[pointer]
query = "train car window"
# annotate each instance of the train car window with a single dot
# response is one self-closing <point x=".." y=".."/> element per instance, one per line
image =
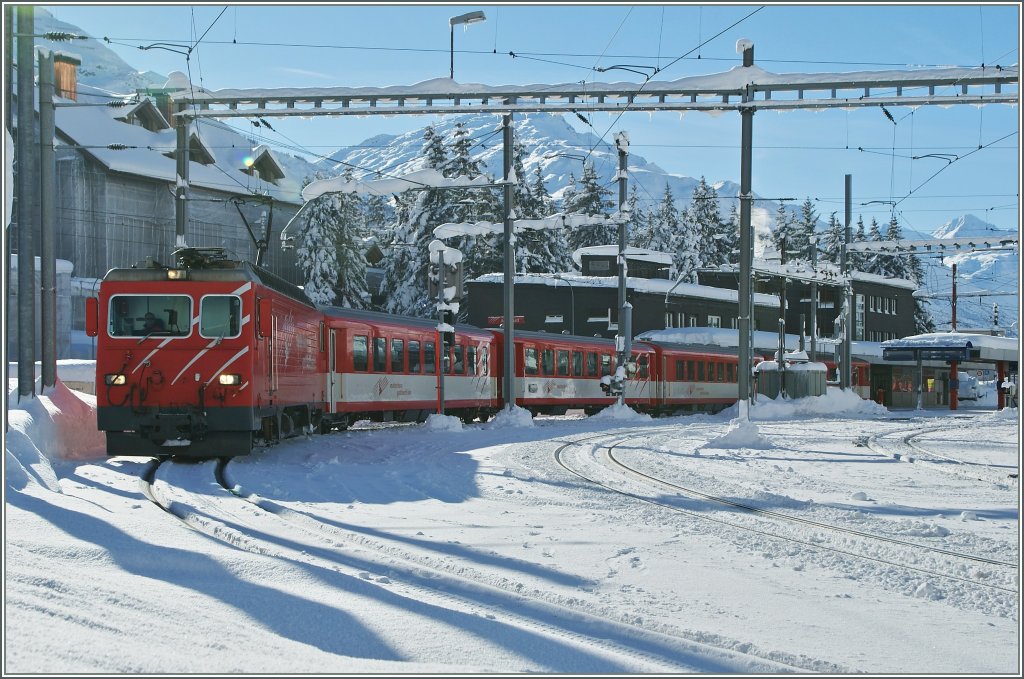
<point x="219" y="316"/>
<point x="680" y="375"/>
<point x="360" y="353"/>
<point x="547" y="361"/>
<point x="642" y="367"/>
<point x="606" y="364"/>
<point x="414" y="356"/>
<point x="700" y="371"/>
<point x="484" y="365"/>
<point x="530" y="361"/>
<point x="471" y="360"/>
<point x="730" y="372"/>
<point x="429" y="358"/>
<point x="144" y="315"/>
<point x="721" y="372"/>
<point x="690" y="375"/>
<point x="577" y="363"/>
<point x="591" y="364"/>
<point x="380" y="354"/>
<point x="397" y="355"/>
<point x="563" y="361"/>
<point x="459" y="367"/>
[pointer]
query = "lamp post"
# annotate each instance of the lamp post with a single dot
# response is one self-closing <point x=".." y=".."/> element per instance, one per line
<point x="464" y="19"/>
<point x="572" y="302"/>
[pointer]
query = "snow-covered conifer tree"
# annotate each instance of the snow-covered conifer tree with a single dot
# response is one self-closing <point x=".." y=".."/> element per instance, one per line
<point x="350" y="284"/>
<point x="707" y="219"/>
<point x="406" y="261"/>
<point x="832" y="241"/>
<point x="315" y="253"/>
<point x="686" y="248"/>
<point x="590" y="198"/>
<point x="663" y="224"/>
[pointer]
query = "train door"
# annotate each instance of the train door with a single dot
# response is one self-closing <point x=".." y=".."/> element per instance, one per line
<point x="333" y="379"/>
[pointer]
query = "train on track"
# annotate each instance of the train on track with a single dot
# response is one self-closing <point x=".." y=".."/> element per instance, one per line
<point x="211" y="357"/>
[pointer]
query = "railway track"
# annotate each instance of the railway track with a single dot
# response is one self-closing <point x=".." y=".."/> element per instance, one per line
<point x="882" y="553"/>
<point x="243" y="520"/>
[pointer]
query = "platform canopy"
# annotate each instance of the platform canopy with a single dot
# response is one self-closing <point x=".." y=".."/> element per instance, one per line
<point x="952" y="346"/>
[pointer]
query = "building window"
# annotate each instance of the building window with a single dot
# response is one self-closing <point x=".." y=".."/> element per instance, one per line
<point x="668" y="319"/>
<point x="692" y="322"/>
<point x="714" y="321"/>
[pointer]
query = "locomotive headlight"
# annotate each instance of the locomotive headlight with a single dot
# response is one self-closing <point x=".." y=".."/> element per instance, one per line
<point x="230" y="379"/>
<point x="177" y="274"/>
<point x="114" y="378"/>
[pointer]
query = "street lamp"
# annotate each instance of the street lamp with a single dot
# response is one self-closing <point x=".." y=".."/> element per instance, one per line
<point x="572" y="302"/>
<point x="465" y="19"/>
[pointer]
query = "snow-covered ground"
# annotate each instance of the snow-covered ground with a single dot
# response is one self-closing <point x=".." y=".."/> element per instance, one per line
<point x="822" y="535"/>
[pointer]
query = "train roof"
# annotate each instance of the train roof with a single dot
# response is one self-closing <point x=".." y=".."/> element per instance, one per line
<point x="381" y="318"/>
<point x="710" y="349"/>
<point x="208" y="264"/>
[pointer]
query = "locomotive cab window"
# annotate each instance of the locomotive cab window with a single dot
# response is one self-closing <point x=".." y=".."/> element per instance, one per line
<point x="219" y="316"/>
<point x="144" y="315"/>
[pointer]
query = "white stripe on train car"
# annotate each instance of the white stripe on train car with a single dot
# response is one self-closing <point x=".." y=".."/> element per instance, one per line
<point x="214" y="342"/>
<point x="231" y="360"/>
<point x="150" y="354"/>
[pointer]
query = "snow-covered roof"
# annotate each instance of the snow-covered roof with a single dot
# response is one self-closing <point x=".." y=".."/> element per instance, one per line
<point x="649" y="285"/>
<point x="989" y="347"/>
<point x="95" y="127"/>
<point x="613" y="250"/>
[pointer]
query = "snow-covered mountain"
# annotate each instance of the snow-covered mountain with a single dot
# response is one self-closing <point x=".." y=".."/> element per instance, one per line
<point x="983" y="279"/>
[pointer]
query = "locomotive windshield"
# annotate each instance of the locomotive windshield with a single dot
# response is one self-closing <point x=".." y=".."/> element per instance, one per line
<point x="143" y="315"/>
<point x="218" y="316"/>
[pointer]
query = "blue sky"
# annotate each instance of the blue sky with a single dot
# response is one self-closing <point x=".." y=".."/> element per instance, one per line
<point x="797" y="154"/>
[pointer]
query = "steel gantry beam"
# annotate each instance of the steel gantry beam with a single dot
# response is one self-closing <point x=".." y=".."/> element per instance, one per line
<point x="726" y="91"/>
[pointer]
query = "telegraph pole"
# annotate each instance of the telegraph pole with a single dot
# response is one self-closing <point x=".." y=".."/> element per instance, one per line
<point x="26" y="214"/>
<point x="47" y="241"/>
<point x="510" y="272"/>
<point x="746" y="237"/>
<point x="625" y="325"/>
<point x="844" y="373"/>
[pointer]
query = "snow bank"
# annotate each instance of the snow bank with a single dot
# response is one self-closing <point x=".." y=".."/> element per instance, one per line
<point x="740" y="434"/>
<point x="514" y="417"/>
<point x="443" y="423"/>
<point x="837" y="402"/>
<point x="620" y="411"/>
<point x="59" y="424"/>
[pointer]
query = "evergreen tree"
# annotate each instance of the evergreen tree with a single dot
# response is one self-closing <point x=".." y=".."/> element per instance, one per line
<point x="350" y="283"/>
<point x="783" y="235"/>
<point x="707" y="219"/>
<point x="729" y="241"/>
<point x="663" y="224"/>
<point x="638" y="225"/>
<point x="686" y="248"/>
<point x="417" y="213"/>
<point x="315" y="254"/>
<point x="803" y="232"/>
<point x="590" y="198"/>
<point x="873" y="263"/>
<point x="481" y="254"/>
<point x="377" y="213"/>
<point x="538" y="250"/>
<point x="858" y="261"/>
<point x="832" y="242"/>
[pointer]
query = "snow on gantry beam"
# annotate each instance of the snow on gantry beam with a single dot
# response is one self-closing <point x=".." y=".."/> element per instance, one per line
<point x="715" y="92"/>
<point x="936" y="245"/>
